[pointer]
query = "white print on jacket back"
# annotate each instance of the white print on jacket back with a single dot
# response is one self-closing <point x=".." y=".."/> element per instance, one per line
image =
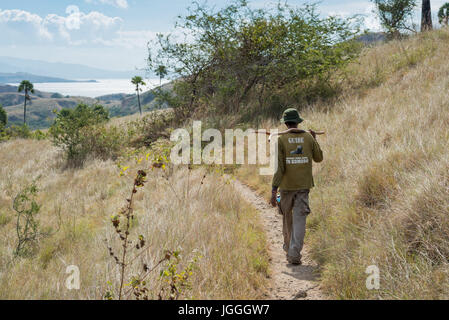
<point x="297" y="160"/>
<point x="296" y="140"/>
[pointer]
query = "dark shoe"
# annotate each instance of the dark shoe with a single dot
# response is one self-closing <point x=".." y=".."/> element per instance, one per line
<point x="295" y="261"/>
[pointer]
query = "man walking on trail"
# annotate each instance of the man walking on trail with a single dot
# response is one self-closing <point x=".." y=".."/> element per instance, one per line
<point x="293" y="177"/>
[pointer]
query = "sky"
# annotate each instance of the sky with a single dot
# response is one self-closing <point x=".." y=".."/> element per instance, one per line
<point x="113" y="34"/>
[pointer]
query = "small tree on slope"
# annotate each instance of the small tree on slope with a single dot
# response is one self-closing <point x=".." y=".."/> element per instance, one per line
<point x="138" y="82"/>
<point x="28" y="88"/>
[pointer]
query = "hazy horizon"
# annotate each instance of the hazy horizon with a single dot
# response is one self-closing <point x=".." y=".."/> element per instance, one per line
<point x="94" y="89"/>
<point x="67" y="63"/>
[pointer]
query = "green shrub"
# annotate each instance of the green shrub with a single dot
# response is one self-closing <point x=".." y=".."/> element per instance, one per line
<point x="3" y="118"/>
<point x="29" y="230"/>
<point x="238" y="55"/>
<point x="39" y="135"/>
<point x="146" y="130"/>
<point x="81" y="132"/>
<point x="3" y="136"/>
<point x="22" y="132"/>
<point x="394" y="15"/>
<point x="101" y="142"/>
<point x="27" y="226"/>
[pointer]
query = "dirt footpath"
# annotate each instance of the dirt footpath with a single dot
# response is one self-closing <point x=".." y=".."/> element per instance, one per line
<point x="289" y="282"/>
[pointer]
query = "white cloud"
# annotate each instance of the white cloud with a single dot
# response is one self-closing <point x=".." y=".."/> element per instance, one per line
<point x="75" y="28"/>
<point x="350" y="8"/>
<point x="28" y="22"/>
<point x="131" y="39"/>
<point x="116" y="3"/>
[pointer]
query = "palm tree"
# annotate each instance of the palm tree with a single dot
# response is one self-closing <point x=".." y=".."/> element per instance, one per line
<point x="426" y="16"/>
<point x="28" y="87"/>
<point x="138" y="81"/>
<point x="161" y="71"/>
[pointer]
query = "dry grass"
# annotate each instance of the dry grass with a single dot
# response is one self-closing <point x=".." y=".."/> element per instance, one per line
<point x="208" y="218"/>
<point x="382" y="195"/>
<point x="381" y="198"/>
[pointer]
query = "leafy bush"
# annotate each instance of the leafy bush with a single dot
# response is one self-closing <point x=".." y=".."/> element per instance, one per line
<point x="81" y="132"/>
<point x="393" y="15"/>
<point x="27" y="226"/>
<point x="39" y="135"/>
<point x="28" y="229"/>
<point x="3" y="118"/>
<point x="13" y="131"/>
<point x="22" y="132"/>
<point x="143" y="132"/>
<point x="3" y="122"/>
<point x="101" y="142"/>
<point x="239" y="55"/>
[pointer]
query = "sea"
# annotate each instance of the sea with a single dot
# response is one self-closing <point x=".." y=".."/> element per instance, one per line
<point x="94" y="89"/>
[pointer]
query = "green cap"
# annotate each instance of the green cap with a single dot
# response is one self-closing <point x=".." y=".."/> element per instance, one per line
<point x="291" y="115"/>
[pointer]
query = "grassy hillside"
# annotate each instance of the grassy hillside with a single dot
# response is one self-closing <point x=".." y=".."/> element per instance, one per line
<point x="176" y="210"/>
<point x="40" y="112"/>
<point x="382" y="193"/>
<point x="381" y="196"/>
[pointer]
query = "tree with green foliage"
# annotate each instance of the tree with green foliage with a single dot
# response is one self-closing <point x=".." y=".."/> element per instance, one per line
<point x="66" y="131"/>
<point x="3" y="118"/>
<point x="138" y="82"/>
<point x="28" y="88"/>
<point x="161" y="72"/>
<point x="443" y="14"/>
<point x="394" y="15"/>
<point x="28" y="228"/>
<point x="239" y="55"/>
<point x="426" y="16"/>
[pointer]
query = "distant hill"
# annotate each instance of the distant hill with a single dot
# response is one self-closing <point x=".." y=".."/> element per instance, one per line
<point x="114" y="96"/>
<point x="12" y="90"/>
<point x="19" y="76"/>
<point x="372" y="38"/>
<point x="40" y="111"/>
<point x="7" y="88"/>
<point x="62" y="70"/>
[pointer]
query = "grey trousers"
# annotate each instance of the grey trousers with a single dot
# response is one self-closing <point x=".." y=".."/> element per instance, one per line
<point x="294" y="208"/>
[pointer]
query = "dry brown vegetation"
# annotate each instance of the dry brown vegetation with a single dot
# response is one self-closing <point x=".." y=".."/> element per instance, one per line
<point x="382" y="198"/>
<point x="382" y="195"/>
<point x="173" y="211"/>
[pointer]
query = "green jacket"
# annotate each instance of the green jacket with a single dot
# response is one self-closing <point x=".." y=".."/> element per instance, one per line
<point x="295" y="154"/>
